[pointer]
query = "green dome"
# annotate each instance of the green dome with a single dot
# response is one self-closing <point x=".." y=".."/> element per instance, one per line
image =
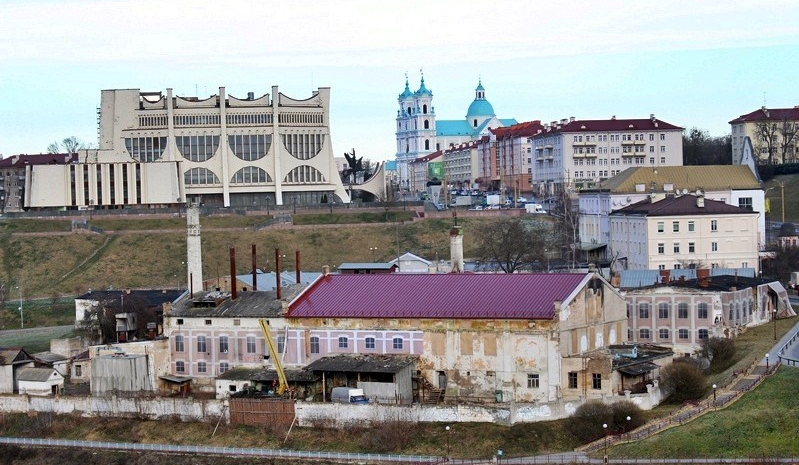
<point x="480" y="107"/>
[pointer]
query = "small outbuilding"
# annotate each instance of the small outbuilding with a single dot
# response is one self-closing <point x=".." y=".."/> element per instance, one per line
<point x="52" y="360"/>
<point x="39" y="381"/>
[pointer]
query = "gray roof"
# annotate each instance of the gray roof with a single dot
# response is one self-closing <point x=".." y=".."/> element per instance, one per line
<point x="49" y="357"/>
<point x="263" y="374"/>
<point x="363" y="363"/>
<point x="35" y="374"/>
<point x="367" y="266"/>
<point x="14" y="356"/>
<point x="267" y="282"/>
<point x="631" y="279"/>
<point x="254" y="304"/>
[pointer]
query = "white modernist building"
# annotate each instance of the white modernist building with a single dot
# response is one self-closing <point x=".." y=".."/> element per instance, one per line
<point x="157" y="148"/>
<point x="573" y="154"/>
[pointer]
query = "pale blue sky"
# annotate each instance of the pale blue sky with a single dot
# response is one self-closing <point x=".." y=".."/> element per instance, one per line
<point x="691" y="64"/>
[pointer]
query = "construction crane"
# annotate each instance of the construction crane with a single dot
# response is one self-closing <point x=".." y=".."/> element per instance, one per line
<point x="283" y="384"/>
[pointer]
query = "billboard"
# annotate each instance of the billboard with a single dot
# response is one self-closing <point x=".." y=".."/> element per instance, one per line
<point x="435" y="170"/>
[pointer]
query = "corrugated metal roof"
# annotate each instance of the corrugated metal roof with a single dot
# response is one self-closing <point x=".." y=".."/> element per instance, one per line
<point x="363" y="363"/>
<point x="682" y="205"/>
<point x="35" y="374"/>
<point x="631" y="279"/>
<point x="262" y="374"/>
<point x="692" y="178"/>
<point x="248" y="304"/>
<point x="465" y="296"/>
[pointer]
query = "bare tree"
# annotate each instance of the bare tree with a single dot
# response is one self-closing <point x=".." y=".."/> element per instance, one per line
<point x="788" y="134"/>
<point x="514" y="242"/>
<point x="568" y="224"/>
<point x="68" y="145"/>
<point x="766" y="134"/>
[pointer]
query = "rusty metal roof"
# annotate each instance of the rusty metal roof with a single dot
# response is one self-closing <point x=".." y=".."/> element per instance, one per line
<point x="263" y="374"/>
<point x="437" y="296"/>
<point x="377" y="363"/>
<point x="248" y="304"/>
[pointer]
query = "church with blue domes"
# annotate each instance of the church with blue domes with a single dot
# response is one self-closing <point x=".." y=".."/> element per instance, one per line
<point x="419" y="133"/>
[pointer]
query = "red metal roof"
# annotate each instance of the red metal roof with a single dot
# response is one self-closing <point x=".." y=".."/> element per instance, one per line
<point x="437" y="296"/>
<point x="39" y="159"/>
<point x="642" y="124"/>
<point x="771" y="114"/>
<point x="526" y="129"/>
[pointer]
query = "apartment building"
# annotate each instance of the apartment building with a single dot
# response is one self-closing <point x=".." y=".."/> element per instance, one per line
<point x="504" y="158"/>
<point x="774" y="133"/>
<point x="573" y="154"/>
<point x="683" y="231"/>
<point x="461" y="165"/>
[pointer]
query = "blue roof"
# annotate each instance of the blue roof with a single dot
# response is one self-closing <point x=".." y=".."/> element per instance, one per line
<point x="266" y="281"/>
<point x="456" y="127"/>
<point x="480" y="107"/>
<point x="423" y="90"/>
<point x="642" y="278"/>
<point x="407" y="92"/>
<point x="508" y="121"/>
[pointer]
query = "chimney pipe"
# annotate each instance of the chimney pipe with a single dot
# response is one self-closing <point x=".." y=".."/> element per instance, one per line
<point x="297" y="267"/>
<point x="456" y="248"/>
<point x="254" y="275"/>
<point x="277" y="273"/>
<point x="233" y="294"/>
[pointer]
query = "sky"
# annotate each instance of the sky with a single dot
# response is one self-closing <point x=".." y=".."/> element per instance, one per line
<point x="697" y="64"/>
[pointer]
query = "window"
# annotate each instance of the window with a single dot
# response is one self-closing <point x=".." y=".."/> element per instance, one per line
<point x="745" y="202"/>
<point x="314" y="344"/>
<point x="281" y="344"/>
<point x="643" y="333"/>
<point x="701" y="310"/>
<point x="682" y="334"/>
<point x="343" y="342"/>
<point x="200" y="176"/>
<point x="691" y="247"/>
<point x="572" y="380"/>
<point x="675" y="226"/>
<point x="663" y="333"/>
<point x="397" y="341"/>
<point x="714" y="225"/>
<point x="207" y="322"/>
<point x="223" y="344"/>
<point x="427" y="144"/>
<point x="676" y="247"/>
<point x="643" y="310"/>
<point x="145" y="149"/>
<point x="663" y="310"/>
<point x="662" y="137"/>
<point x="202" y="367"/>
<point x="179" y="343"/>
<point x="180" y="367"/>
<point x="714" y="246"/>
<point x="532" y="380"/>
<point x="250" y="344"/>
<point x="596" y="380"/>
<point x="197" y="148"/>
<point x="370" y="343"/>
<point x="661" y="226"/>
<point x="180" y="321"/>
<point x="78" y="370"/>
<point x="682" y="310"/>
<point x="690" y="226"/>
<point x="201" y="346"/>
<point x="702" y="334"/>
<point x="661" y="248"/>
<point x="662" y="149"/>
<point x="223" y="367"/>
<point x="426" y="124"/>
<point x="251" y="147"/>
<point x="236" y="322"/>
<point x="250" y="175"/>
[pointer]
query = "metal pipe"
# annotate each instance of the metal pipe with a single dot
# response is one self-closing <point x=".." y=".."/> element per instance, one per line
<point x="233" y="294"/>
<point x="254" y="276"/>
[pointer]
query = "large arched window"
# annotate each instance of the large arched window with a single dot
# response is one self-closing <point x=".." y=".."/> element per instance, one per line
<point x="200" y="176"/>
<point x="145" y="149"/>
<point x="250" y="147"/>
<point x="197" y="148"/>
<point x="427" y="144"/>
<point x="424" y="109"/>
<point x="426" y="124"/>
<point x="409" y="110"/>
<point x="250" y="175"/>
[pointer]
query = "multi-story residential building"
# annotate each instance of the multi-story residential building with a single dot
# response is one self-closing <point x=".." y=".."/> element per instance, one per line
<point x="682" y="313"/>
<point x="504" y="158"/>
<point x="223" y="150"/>
<point x="573" y="154"/>
<point x="461" y="165"/>
<point x="424" y="169"/>
<point x="734" y="185"/>
<point x="683" y="231"/>
<point x="419" y="133"/>
<point x="774" y="133"/>
<point x="14" y="171"/>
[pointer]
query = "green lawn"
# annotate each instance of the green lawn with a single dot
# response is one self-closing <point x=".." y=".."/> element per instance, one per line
<point x="37" y="340"/>
<point x="350" y="218"/>
<point x="762" y="423"/>
<point x="776" y="195"/>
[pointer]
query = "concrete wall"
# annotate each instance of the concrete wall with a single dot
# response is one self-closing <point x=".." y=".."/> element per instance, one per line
<point x="6" y="379"/>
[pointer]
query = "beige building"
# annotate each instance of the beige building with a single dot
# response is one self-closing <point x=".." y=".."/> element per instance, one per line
<point x="461" y="165"/>
<point x="683" y="231"/>
<point x="774" y="133"/>
<point x="574" y="154"/>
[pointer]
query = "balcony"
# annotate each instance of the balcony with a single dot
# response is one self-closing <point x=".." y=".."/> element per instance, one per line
<point x="630" y="142"/>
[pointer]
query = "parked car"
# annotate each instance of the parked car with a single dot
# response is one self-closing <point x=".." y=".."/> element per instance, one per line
<point x="476" y="208"/>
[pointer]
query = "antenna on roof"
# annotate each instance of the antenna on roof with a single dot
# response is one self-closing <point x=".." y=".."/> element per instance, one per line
<point x="764" y="99"/>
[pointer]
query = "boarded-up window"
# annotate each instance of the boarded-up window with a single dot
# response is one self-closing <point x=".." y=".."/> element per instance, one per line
<point x="489" y="344"/>
<point x="467" y="343"/>
<point x="437" y="344"/>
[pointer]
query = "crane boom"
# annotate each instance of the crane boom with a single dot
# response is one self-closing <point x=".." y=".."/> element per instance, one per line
<point x="283" y="384"/>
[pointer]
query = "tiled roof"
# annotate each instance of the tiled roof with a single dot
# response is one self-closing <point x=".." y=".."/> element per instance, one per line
<point x="39" y="159"/>
<point x="681" y="205"/>
<point x="594" y="125"/>
<point x="436" y="296"/>
<point x="692" y="178"/>
<point x="526" y="129"/>
<point x="769" y="114"/>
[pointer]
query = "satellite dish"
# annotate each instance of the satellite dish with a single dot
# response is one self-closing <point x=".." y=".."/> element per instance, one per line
<point x="684" y="191"/>
<point x="698" y="192"/>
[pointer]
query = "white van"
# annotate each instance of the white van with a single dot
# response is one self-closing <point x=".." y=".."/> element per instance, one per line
<point x="535" y="208"/>
<point x="347" y="395"/>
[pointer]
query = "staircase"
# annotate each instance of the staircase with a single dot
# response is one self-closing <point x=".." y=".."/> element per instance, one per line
<point x="429" y="394"/>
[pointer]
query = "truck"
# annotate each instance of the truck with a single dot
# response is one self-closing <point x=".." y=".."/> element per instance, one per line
<point x="535" y="208"/>
<point x="346" y="395"/>
<point x="493" y="199"/>
<point x="462" y="201"/>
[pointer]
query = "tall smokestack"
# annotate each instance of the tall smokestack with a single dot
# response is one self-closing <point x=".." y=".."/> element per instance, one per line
<point x="297" y="266"/>
<point x="277" y="273"/>
<point x="254" y="274"/>
<point x="194" y="256"/>
<point x="456" y="248"/>
<point x="233" y="294"/>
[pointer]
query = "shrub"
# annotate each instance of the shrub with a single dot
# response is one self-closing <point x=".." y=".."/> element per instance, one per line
<point x="622" y="410"/>
<point x="683" y="380"/>
<point x="720" y="351"/>
<point x="586" y="423"/>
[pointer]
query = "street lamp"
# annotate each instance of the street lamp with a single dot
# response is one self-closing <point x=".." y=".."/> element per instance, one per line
<point x="448" y="429"/>
<point x="714" y="395"/>
<point x="605" y="428"/>
<point x="774" y="317"/>
<point x="766" y="362"/>
<point x="21" y="316"/>
<point x="373" y="249"/>
<point x="546" y="252"/>
<point x="627" y="427"/>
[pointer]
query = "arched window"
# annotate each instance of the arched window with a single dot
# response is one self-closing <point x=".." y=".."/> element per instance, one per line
<point x="426" y="124"/>
<point x="409" y="110"/>
<point x="474" y="122"/>
<point x="427" y="144"/>
<point x="424" y="109"/>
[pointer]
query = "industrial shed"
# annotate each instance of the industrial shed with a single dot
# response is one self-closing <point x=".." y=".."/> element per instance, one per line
<point x="386" y="379"/>
<point x="120" y="373"/>
<point x="39" y="381"/>
<point x="302" y="383"/>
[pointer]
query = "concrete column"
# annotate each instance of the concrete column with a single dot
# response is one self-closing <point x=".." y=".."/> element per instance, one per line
<point x="223" y="147"/>
<point x="456" y="248"/>
<point x="277" y="143"/>
<point x="194" y="257"/>
<point x="171" y="148"/>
